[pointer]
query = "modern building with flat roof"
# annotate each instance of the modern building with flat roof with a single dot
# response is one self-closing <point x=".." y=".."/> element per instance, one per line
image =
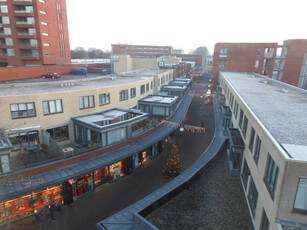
<point x="72" y="136"/>
<point x="33" y="32"/>
<point x="286" y="62"/>
<point x="267" y="126"/>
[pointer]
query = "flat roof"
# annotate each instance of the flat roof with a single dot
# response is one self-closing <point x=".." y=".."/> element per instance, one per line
<point x="109" y="115"/>
<point x="145" y="72"/>
<point x="280" y="107"/>
<point x="160" y="99"/>
<point x="41" y="86"/>
<point x="173" y="87"/>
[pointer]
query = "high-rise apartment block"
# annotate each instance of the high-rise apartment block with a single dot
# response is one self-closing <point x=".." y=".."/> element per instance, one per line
<point x="33" y="32"/>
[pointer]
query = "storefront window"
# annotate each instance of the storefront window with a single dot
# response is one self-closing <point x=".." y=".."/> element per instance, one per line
<point x="117" y="170"/>
<point x="101" y="176"/>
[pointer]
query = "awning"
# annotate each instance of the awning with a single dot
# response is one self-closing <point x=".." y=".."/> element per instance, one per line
<point x="22" y="130"/>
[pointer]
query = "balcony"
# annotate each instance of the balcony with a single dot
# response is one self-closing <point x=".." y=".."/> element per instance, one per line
<point x="268" y="55"/>
<point x="26" y="35"/>
<point x="22" y="2"/>
<point x="235" y="151"/>
<point x="226" y="117"/>
<point x="24" y="13"/>
<point x="29" y="56"/>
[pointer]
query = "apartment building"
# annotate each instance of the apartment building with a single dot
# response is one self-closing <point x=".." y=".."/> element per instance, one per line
<point x="33" y="32"/>
<point x="267" y="126"/>
<point x="68" y="124"/>
<point x="145" y="51"/>
<point x="286" y="62"/>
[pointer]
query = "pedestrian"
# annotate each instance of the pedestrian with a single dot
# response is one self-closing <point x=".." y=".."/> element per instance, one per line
<point x="52" y="210"/>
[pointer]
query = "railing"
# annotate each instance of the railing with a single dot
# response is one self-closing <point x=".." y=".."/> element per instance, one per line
<point x="25" y="23"/>
<point x="26" y="34"/>
<point x="29" y="55"/>
<point x="29" y="44"/>
<point x="24" y="11"/>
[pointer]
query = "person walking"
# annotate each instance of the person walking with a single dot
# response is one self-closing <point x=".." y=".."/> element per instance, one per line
<point x="52" y="210"/>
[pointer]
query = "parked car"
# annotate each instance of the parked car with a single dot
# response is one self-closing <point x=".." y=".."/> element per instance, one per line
<point x="51" y="75"/>
<point x="79" y="71"/>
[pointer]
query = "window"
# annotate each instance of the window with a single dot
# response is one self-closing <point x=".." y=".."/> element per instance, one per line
<point x="59" y="16"/>
<point x="61" y="36"/>
<point x="46" y="44"/>
<point x="245" y="123"/>
<point x="236" y="109"/>
<point x="271" y="175"/>
<point x="222" y="63"/>
<point x="59" y="133"/>
<point x="245" y="174"/>
<point x="241" y="118"/>
<point x="3" y="9"/>
<point x="60" y="26"/>
<point x="44" y="23"/>
<point x="8" y="41"/>
<point x="223" y="52"/>
<point x="257" y="149"/>
<point x="54" y="106"/>
<point x="151" y="85"/>
<point x="86" y="102"/>
<point x="147" y="87"/>
<point x="251" y="140"/>
<point x="116" y="135"/>
<point x="258" y="51"/>
<point x="5" y="20"/>
<point x="301" y="197"/>
<point x="132" y="92"/>
<point x="142" y="89"/>
<point x="7" y="31"/>
<point x="45" y="34"/>
<point x="265" y="224"/>
<point x="257" y="64"/>
<point x="23" y="110"/>
<point x="58" y="6"/>
<point x="104" y="98"/>
<point x="123" y="95"/>
<point x="253" y="196"/>
<point x="42" y="12"/>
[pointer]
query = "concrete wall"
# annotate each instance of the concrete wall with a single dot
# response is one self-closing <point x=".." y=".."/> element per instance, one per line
<point x="17" y="73"/>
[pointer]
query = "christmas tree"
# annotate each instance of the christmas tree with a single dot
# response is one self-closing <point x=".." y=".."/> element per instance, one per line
<point x="173" y="166"/>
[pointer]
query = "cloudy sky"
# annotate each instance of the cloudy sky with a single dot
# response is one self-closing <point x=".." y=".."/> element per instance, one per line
<point x="183" y="24"/>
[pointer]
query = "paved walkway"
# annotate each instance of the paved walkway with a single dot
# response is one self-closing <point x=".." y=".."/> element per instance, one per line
<point x="111" y="198"/>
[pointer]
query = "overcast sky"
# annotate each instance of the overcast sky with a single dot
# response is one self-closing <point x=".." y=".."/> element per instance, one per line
<point x="183" y="24"/>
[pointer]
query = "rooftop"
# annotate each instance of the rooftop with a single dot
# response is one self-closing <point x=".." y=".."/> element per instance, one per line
<point x="159" y="99"/>
<point x="144" y="72"/>
<point x="110" y="117"/>
<point x="173" y="87"/>
<point x="280" y="107"/>
<point x="65" y="83"/>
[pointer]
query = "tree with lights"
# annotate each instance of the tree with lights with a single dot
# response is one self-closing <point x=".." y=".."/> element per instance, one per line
<point x="173" y="166"/>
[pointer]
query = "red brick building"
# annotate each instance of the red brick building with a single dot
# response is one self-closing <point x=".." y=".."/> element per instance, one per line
<point x="287" y="62"/>
<point x="33" y="32"/>
<point x="143" y="51"/>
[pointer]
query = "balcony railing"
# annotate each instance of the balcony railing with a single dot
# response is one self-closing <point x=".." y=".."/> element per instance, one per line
<point x="268" y="55"/>
<point x="29" y="55"/>
<point x="27" y="34"/>
<point x="25" y="23"/>
<point x="28" y="44"/>
<point x="24" y="11"/>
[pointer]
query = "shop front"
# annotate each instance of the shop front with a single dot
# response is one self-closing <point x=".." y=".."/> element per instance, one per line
<point x="29" y="204"/>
